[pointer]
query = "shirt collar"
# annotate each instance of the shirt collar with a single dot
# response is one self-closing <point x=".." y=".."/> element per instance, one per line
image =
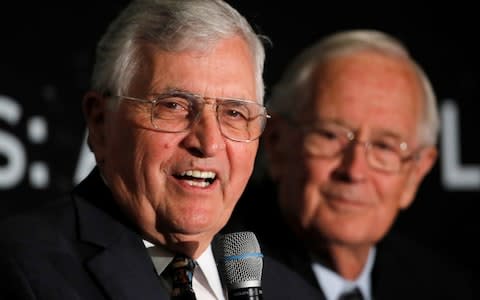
<point x="333" y="284"/>
<point x="207" y="264"/>
<point x="161" y="257"/>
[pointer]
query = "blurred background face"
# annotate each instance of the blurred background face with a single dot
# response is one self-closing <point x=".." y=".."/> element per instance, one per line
<point x="187" y="183"/>
<point x="343" y="199"/>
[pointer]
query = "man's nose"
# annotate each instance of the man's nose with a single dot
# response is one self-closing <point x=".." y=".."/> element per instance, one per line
<point x="354" y="161"/>
<point x="205" y="137"/>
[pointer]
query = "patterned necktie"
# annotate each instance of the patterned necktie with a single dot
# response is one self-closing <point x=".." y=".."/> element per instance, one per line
<point x="180" y="271"/>
<point x="354" y="294"/>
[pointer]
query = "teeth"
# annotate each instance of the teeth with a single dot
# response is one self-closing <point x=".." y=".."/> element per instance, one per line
<point x="198" y="174"/>
<point x="198" y="183"/>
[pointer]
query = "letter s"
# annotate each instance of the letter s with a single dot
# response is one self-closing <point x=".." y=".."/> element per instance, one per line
<point x="11" y="147"/>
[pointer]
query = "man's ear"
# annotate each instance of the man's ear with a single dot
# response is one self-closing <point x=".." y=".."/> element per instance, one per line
<point x="274" y="140"/>
<point x="422" y="166"/>
<point x="94" y="107"/>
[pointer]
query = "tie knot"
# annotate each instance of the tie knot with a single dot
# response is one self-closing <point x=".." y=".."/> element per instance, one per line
<point x="354" y="294"/>
<point x="181" y="274"/>
<point x="182" y="262"/>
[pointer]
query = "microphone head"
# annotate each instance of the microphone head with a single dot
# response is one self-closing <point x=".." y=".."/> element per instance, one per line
<point x="239" y="259"/>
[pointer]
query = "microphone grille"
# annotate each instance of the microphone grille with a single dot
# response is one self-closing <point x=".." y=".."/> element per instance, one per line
<point x="239" y="259"/>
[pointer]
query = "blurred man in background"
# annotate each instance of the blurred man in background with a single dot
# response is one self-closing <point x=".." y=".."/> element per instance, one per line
<point x="353" y="133"/>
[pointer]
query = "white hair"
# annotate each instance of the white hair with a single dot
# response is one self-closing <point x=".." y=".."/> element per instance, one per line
<point x="170" y="25"/>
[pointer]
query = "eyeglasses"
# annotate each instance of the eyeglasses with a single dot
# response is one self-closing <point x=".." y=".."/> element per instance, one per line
<point x="176" y="111"/>
<point x="384" y="153"/>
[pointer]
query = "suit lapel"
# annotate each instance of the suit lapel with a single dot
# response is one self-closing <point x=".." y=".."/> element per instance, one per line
<point x="126" y="271"/>
<point x="122" y="265"/>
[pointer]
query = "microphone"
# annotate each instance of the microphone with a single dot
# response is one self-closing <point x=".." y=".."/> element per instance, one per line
<point x="240" y="264"/>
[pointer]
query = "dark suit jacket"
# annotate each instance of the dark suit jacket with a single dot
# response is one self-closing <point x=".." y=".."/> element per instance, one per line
<point x="82" y="247"/>
<point x="403" y="269"/>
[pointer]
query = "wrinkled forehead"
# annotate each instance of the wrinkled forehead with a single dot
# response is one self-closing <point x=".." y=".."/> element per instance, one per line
<point x="367" y="90"/>
<point x="226" y="69"/>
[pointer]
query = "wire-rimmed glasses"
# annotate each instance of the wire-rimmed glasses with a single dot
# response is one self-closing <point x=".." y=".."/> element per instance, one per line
<point x="385" y="153"/>
<point x="176" y="111"/>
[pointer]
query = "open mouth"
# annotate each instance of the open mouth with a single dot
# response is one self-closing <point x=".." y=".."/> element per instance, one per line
<point x="197" y="178"/>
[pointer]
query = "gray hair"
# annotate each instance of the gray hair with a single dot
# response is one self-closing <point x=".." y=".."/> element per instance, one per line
<point x="293" y="92"/>
<point x="170" y="25"/>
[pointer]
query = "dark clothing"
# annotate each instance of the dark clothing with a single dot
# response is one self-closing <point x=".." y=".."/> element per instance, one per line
<point x="83" y="247"/>
<point x="403" y="269"/>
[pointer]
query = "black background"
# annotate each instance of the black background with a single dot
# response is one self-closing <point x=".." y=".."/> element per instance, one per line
<point x="46" y="53"/>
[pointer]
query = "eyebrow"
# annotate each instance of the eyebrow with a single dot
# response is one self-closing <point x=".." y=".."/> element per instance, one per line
<point x="173" y="90"/>
<point x="382" y="132"/>
<point x="375" y="132"/>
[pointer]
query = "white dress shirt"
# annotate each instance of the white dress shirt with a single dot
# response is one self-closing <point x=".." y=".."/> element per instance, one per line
<point x="206" y="280"/>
